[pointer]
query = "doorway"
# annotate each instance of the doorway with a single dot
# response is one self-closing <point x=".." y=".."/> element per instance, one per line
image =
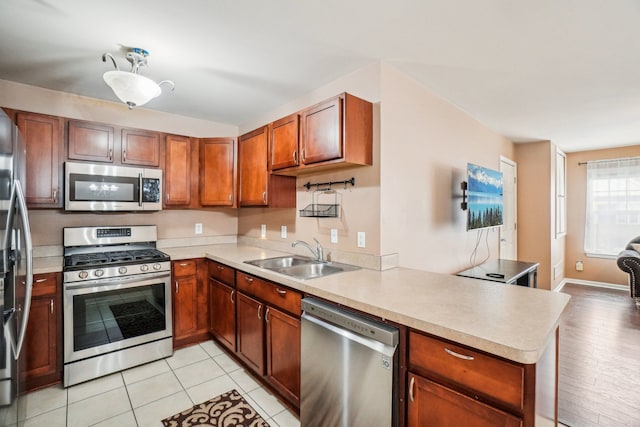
<point x="509" y="230"/>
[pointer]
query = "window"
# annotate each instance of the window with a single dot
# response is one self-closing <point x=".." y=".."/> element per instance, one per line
<point x="613" y="206"/>
<point x="561" y="190"/>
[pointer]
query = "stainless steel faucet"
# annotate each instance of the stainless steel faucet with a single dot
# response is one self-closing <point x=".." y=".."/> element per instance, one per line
<point x="318" y="253"/>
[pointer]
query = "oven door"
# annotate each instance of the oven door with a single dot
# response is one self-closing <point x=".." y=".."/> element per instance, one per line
<point x="113" y="314"/>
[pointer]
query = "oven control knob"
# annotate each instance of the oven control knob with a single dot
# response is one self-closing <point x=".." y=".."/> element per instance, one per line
<point x="99" y="273"/>
<point x="157" y="266"/>
<point x="83" y="274"/>
<point x="144" y="267"/>
<point x="122" y="270"/>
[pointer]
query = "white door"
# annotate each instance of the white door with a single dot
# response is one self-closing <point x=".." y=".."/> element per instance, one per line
<point x="509" y="231"/>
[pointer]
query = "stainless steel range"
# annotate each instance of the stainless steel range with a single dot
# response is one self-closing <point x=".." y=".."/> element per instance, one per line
<point x="117" y="300"/>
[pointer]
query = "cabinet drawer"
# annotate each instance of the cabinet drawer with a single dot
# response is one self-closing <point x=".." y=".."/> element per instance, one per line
<point x="44" y="284"/>
<point x="274" y="295"/>
<point x="221" y="273"/>
<point x="480" y="373"/>
<point x="183" y="268"/>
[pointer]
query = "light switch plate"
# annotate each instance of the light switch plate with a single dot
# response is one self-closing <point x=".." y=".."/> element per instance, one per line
<point x="283" y="231"/>
<point x="198" y="228"/>
<point x="361" y="239"/>
<point x="263" y="230"/>
<point x="334" y="235"/>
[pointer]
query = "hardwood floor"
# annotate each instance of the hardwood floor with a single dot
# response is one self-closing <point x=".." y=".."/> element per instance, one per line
<point x="599" y="362"/>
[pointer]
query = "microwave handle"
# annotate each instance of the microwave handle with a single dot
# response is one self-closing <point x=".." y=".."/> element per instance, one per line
<point x="140" y="189"/>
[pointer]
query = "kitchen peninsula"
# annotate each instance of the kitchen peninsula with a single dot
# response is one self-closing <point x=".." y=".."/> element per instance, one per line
<point x="510" y="330"/>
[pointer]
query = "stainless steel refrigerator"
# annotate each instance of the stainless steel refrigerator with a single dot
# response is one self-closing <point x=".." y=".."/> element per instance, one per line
<point x="16" y="263"/>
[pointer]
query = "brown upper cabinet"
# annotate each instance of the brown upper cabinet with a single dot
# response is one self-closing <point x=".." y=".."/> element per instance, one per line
<point x="140" y="147"/>
<point x="178" y="171"/>
<point x="285" y="134"/>
<point x="90" y="141"/>
<point x="257" y="187"/>
<point x="217" y="171"/>
<point x="44" y="140"/>
<point x="335" y="133"/>
<point x="96" y="142"/>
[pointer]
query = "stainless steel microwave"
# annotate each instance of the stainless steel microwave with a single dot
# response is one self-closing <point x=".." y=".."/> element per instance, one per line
<point x="107" y="188"/>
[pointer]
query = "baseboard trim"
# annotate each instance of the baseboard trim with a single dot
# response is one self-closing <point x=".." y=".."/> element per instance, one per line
<point x="590" y="283"/>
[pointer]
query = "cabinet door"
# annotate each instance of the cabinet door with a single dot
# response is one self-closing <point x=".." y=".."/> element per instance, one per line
<point x="252" y="158"/>
<point x="140" y="148"/>
<point x="217" y="171"/>
<point x="284" y="142"/>
<point x="283" y="353"/>
<point x="43" y="138"/>
<point x="90" y="141"/>
<point x="222" y="309"/>
<point x="431" y="404"/>
<point x="41" y="358"/>
<point x="250" y="332"/>
<point x="178" y="171"/>
<point x="322" y="132"/>
<point x="185" y="307"/>
<point x="41" y="338"/>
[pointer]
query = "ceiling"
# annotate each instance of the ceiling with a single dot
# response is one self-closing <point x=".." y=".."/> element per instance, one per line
<point x="560" y="70"/>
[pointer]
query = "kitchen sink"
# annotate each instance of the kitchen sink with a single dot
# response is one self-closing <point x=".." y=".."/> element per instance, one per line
<point x="301" y="267"/>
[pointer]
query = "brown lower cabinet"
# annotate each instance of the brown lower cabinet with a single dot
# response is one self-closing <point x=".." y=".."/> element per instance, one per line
<point x="431" y="404"/>
<point x="41" y="361"/>
<point x="250" y="330"/>
<point x="283" y="362"/>
<point x="190" y="302"/>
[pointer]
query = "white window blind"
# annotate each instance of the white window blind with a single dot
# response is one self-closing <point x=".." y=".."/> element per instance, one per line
<point x="613" y="206"/>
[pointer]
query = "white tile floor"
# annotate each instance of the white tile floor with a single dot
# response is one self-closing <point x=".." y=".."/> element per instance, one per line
<point x="144" y="395"/>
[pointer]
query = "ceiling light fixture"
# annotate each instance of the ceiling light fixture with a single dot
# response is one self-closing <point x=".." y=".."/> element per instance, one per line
<point x="130" y="87"/>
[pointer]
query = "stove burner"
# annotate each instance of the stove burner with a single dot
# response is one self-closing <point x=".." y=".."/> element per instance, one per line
<point x="113" y="258"/>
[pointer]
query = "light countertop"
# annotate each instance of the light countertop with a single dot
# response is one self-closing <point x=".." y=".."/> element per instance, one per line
<point x="513" y="322"/>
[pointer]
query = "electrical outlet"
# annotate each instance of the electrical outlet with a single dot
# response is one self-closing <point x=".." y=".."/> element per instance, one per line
<point x="361" y="239"/>
<point x="334" y="235"/>
<point x="263" y="231"/>
<point x="283" y="231"/>
<point x="198" y="228"/>
<point x="579" y="266"/>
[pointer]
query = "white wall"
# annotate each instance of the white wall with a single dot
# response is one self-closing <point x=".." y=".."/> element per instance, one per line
<point x="426" y="144"/>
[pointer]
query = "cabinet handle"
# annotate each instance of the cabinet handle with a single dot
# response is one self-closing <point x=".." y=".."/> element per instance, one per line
<point x="41" y="280"/>
<point x="167" y="197"/>
<point x="264" y="197"/>
<point x="266" y="315"/>
<point x="458" y="355"/>
<point x="295" y="157"/>
<point x="248" y="279"/>
<point x="183" y="264"/>
<point x="259" y="310"/>
<point x="230" y="197"/>
<point x="51" y="305"/>
<point x="303" y="155"/>
<point x="232" y="301"/>
<point x="110" y="153"/>
<point x="411" y="384"/>
<point x="55" y="195"/>
<point x="177" y="287"/>
<point x="124" y="156"/>
<point x="281" y="291"/>
<point x="220" y="268"/>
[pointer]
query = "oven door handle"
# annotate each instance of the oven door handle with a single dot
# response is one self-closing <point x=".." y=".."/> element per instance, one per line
<point x="115" y="282"/>
<point x="140" y="189"/>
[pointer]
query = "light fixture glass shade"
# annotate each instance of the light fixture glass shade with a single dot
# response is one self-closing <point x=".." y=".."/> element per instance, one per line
<point x="132" y="89"/>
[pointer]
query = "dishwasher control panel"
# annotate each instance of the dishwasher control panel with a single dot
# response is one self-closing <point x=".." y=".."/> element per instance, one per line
<point x="352" y="322"/>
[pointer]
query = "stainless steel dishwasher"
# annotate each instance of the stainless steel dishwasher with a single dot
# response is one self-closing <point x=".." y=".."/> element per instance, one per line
<point x="349" y="369"/>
